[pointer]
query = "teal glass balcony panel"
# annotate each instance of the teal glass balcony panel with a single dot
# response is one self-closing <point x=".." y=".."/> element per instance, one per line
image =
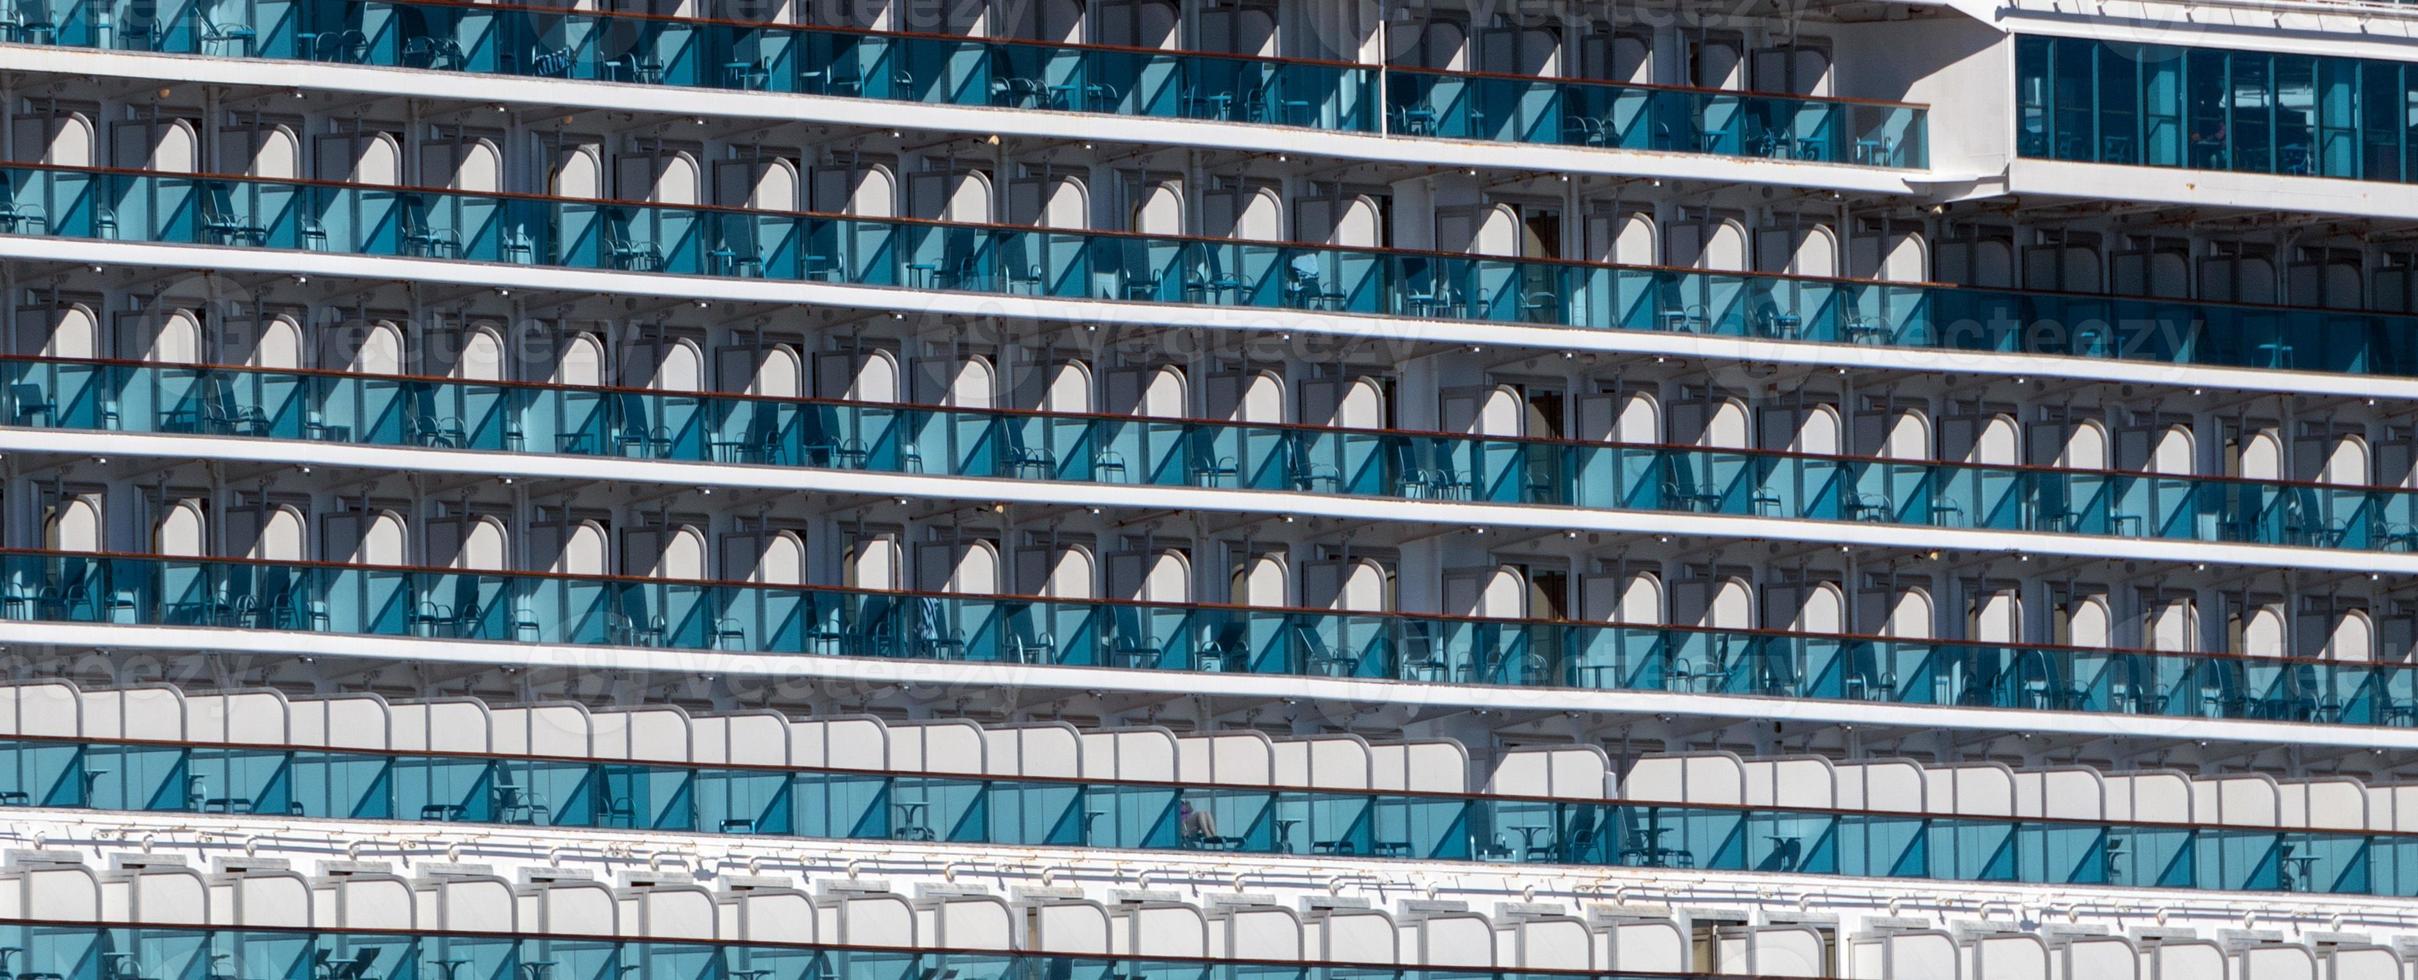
<point x="2158" y="105"/>
<point x="817" y="621"/>
<point x="586" y="234"/>
<point x="1530" y="109"/>
<point x="423" y="412"/>
<point x="553" y="42"/>
<point x="847" y="805"/>
<point x="560" y="42"/>
<point x="58" y="950"/>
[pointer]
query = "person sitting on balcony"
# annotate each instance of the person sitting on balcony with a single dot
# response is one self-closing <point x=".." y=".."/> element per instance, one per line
<point x="1198" y="826"/>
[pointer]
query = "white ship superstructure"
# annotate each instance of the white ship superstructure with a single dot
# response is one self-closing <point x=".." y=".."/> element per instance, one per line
<point x="1256" y="489"/>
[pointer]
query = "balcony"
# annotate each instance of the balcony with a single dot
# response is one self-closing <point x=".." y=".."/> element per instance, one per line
<point x="1196" y="637"/>
<point x="439" y="413"/>
<point x="68" y="951"/>
<point x="1527" y="109"/>
<point x="549" y="42"/>
<point x="1654" y="832"/>
<point x="353" y="219"/>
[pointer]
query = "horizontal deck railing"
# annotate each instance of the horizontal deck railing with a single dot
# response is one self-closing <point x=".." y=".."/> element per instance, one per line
<point x="604" y="610"/>
<point x="359" y="219"/>
<point x="559" y="42"/>
<point x="960" y="809"/>
<point x="445" y="413"/>
<point x="64" y="950"/>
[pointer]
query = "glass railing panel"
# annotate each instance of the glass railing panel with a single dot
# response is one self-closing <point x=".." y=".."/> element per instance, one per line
<point x="550" y="43"/>
<point x="430" y="788"/>
<point x="506" y="607"/>
<point x="923" y="807"/>
<point x="1149" y="817"/>
<point x="379" y="221"/>
<point x="843" y="805"/>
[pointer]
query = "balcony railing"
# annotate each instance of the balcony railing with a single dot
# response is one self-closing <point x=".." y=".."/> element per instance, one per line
<point x="558" y="42"/>
<point x="1064" y="812"/>
<point x="59" y="950"/>
<point x="444" y="413"/>
<point x="1529" y="109"/>
<point x="601" y="610"/>
<point x="141" y="206"/>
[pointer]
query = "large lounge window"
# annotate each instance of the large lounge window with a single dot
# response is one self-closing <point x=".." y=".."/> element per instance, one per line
<point x="2255" y="112"/>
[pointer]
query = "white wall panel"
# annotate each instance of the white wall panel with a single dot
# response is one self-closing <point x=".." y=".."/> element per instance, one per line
<point x="369" y="902"/>
<point x="267" y="899"/>
<point x="1070" y="927"/>
<point x="847" y="742"/>
<point x="775" y="915"/>
<point x="2155" y="796"/>
<point x="1806" y="782"/>
<point x="2100" y="958"/>
<point x="1260" y="934"/>
<point x="973" y="922"/>
<point x="169" y="896"/>
<point x="2078" y="794"/>
<point x="42" y="709"/>
<point x="1437" y="766"/>
<point x="652" y="734"/>
<point x="1134" y="753"/>
<point x="2393" y="807"/>
<point x="1244" y="758"/>
<point x="1051" y="750"/>
<point x="66" y="893"/>
<point x="668" y="912"/>
<point x="1161" y="930"/>
<point x="1550" y="944"/>
<point x="2327" y="804"/>
<point x="1902" y="956"/>
<point x="1978" y="790"/>
<point x="2010" y="958"/>
<point x="154" y="713"/>
<point x="1575" y="772"/>
<point x="875" y="920"/>
<point x="943" y="746"/>
<point x="2362" y="963"/>
<point x="2247" y="799"/>
<point x="352" y="721"/>
<point x="2277" y="963"/>
<point x="1881" y="784"/>
<point x="575" y="907"/>
<point x="1455" y="939"/>
<point x="1648" y="944"/>
<point x="747" y="740"/>
<point x="2182" y="961"/>
<point x="1782" y="951"/>
<point x="458" y="726"/>
<point x="1353" y="936"/>
<point x="254" y="717"/>
<point x="476" y="903"/>
<point x="1339" y="762"/>
<point x="1700" y="777"/>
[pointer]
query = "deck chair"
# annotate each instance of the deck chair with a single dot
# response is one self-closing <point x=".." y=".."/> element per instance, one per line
<point x="28" y="401"/>
<point x="223" y="415"/>
<point x="225" y="224"/>
<point x="1129" y="644"/>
